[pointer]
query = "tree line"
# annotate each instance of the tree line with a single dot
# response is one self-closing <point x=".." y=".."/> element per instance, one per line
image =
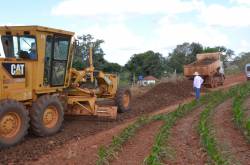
<point x="150" y="62"/>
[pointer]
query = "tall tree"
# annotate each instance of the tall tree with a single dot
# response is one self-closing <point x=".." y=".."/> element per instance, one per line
<point x="183" y="54"/>
<point x="242" y="60"/>
<point x="148" y="63"/>
<point x="82" y="53"/>
<point x="227" y="54"/>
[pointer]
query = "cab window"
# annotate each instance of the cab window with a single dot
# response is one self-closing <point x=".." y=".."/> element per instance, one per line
<point x="18" y="47"/>
<point x="248" y="68"/>
<point x="61" y="46"/>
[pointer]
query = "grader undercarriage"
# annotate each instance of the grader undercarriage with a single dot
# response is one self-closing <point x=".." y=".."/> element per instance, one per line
<point x="38" y="84"/>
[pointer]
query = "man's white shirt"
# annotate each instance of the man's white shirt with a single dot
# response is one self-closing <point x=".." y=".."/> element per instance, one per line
<point x="198" y="81"/>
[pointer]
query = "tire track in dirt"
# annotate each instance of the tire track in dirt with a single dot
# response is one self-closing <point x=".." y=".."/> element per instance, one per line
<point x="80" y="151"/>
<point x="137" y="148"/>
<point x="184" y="141"/>
<point x="230" y="140"/>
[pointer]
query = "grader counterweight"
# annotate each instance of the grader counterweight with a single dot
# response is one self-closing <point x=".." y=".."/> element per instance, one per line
<point x="38" y="84"/>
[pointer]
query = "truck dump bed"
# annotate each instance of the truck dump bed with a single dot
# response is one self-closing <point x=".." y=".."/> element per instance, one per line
<point x="206" y="65"/>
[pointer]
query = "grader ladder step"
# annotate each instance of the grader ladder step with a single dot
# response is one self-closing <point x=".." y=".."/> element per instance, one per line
<point x="106" y="111"/>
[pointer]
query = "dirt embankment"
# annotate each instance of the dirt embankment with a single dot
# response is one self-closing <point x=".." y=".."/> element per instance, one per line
<point x="231" y="141"/>
<point x="160" y="96"/>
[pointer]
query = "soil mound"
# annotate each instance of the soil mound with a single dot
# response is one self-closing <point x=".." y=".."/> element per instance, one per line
<point x="162" y="95"/>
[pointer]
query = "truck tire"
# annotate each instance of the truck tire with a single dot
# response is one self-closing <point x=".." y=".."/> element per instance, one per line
<point x="14" y="122"/>
<point x="46" y="115"/>
<point x="123" y="100"/>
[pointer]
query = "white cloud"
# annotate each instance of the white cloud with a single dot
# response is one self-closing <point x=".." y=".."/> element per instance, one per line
<point x="116" y="7"/>
<point x="10" y="24"/>
<point x="170" y="34"/>
<point x="120" y="42"/>
<point x="242" y="2"/>
<point x="218" y="15"/>
<point x="244" y="46"/>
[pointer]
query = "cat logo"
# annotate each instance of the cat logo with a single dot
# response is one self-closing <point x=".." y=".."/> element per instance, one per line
<point x="16" y="70"/>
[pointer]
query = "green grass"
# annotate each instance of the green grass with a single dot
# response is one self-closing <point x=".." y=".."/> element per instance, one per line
<point x="238" y="110"/>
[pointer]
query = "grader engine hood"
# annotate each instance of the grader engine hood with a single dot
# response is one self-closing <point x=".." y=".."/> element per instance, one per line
<point x="15" y="70"/>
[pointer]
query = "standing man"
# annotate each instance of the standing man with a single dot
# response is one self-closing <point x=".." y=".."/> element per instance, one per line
<point x="197" y="85"/>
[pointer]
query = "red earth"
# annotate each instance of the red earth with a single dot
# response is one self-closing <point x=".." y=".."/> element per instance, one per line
<point x="79" y="133"/>
<point x="184" y="142"/>
<point x="137" y="148"/>
<point x="230" y="139"/>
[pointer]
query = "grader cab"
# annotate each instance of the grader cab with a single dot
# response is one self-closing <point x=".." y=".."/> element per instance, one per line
<point x="38" y="84"/>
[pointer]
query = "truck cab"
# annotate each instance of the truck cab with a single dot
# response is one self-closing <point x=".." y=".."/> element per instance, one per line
<point x="247" y="71"/>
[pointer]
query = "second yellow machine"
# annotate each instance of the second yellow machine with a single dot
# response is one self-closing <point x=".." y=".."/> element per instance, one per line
<point x="38" y="84"/>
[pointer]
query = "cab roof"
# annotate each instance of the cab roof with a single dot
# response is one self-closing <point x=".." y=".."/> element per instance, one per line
<point x="35" y="28"/>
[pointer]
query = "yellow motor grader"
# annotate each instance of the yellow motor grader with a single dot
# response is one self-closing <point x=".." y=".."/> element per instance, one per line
<point x="38" y="84"/>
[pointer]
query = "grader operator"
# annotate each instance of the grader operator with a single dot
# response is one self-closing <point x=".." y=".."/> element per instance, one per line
<point x="38" y="84"/>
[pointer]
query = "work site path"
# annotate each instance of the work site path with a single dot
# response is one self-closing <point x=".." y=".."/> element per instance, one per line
<point x="184" y="146"/>
<point x="137" y="148"/>
<point x="229" y="139"/>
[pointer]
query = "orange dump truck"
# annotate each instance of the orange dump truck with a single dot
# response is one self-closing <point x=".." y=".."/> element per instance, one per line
<point x="210" y="68"/>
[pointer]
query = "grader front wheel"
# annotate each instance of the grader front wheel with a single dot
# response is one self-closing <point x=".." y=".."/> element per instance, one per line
<point x="14" y="121"/>
<point x="123" y="100"/>
<point x="46" y="115"/>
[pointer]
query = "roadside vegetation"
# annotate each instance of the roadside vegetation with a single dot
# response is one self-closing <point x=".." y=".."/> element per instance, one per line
<point x="239" y="116"/>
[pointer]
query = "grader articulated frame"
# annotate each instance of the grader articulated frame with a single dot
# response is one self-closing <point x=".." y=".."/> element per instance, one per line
<point x="38" y="84"/>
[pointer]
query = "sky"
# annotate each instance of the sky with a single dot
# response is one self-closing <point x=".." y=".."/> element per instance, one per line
<point x="135" y="26"/>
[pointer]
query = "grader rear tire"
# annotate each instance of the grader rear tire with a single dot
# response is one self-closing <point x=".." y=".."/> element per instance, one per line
<point x="14" y="122"/>
<point x="46" y="115"/>
<point x="123" y="100"/>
